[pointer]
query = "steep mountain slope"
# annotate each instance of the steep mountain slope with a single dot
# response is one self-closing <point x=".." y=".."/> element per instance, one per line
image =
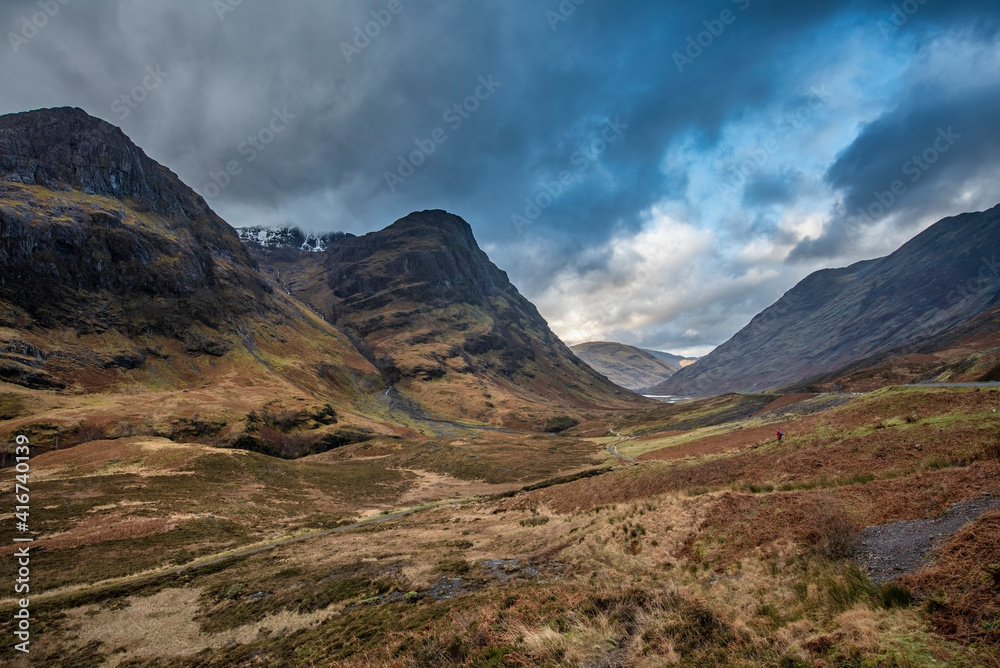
<point x="624" y="365"/>
<point x="944" y="276"/>
<point x="966" y="352"/>
<point x="445" y="325"/>
<point x="114" y="274"/>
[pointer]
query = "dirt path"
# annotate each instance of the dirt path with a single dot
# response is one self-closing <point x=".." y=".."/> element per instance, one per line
<point x="613" y="448"/>
<point x="890" y="550"/>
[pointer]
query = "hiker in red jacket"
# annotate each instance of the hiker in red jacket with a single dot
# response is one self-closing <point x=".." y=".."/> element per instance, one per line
<point x="780" y="434"/>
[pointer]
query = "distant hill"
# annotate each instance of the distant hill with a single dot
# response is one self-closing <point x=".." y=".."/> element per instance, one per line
<point x="627" y="366"/>
<point x="444" y="324"/>
<point x="671" y="359"/>
<point x="943" y="277"/>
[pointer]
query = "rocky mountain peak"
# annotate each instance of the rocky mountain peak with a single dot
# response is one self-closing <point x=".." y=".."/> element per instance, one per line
<point x="438" y="219"/>
<point x="86" y="214"/>
<point x="426" y="256"/>
<point x="67" y="149"/>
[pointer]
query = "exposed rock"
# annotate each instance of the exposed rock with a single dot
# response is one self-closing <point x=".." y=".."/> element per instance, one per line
<point x="12" y="372"/>
<point x="85" y="214"/>
<point x="288" y="238"/>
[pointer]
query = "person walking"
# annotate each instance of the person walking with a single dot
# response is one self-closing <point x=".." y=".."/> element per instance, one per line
<point x="780" y="434"/>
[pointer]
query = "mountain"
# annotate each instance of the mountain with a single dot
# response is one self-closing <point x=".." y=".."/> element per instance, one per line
<point x="94" y="232"/>
<point x="966" y="352"/>
<point x="115" y="277"/>
<point x="943" y="277"/>
<point x="673" y="360"/>
<point x="626" y="366"/>
<point x="444" y="324"/>
<point x="288" y="238"/>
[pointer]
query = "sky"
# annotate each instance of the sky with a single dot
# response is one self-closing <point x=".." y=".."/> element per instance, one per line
<point x="650" y="172"/>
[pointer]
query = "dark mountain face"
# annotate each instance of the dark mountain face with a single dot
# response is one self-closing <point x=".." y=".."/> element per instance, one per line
<point x="66" y="148"/>
<point x="85" y="214"/>
<point x="429" y="258"/>
<point x="112" y="270"/>
<point x="444" y="324"/>
<point x="944" y="276"/>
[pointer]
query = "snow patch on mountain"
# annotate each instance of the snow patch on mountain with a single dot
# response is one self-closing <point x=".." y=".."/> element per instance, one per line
<point x="289" y="238"/>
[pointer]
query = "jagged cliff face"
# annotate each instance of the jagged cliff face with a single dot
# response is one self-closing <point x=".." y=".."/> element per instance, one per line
<point x="445" y="325"/>
<point x="114" y="271"/>
<point x="943" y="277"/>
<point x="87" y="216"/>
<point x="430" y="258"/>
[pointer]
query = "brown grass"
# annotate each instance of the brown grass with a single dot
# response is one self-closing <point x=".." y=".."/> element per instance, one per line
<point x="962" y="587"/>
<point x="706" y="562"/>
<point x="784" y="401"/>
<point x="712" y="445"/>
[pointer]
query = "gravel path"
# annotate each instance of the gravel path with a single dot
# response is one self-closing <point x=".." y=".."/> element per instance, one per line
<point x="890" y="550"/>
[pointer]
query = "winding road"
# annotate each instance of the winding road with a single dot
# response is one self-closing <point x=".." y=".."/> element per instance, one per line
<point x="613" y="448"/>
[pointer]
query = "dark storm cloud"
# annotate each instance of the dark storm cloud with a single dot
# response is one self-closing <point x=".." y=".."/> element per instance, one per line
<point x="560" y="72"/>
<point x="918" y="156"/>
<point x="770" y="189"/>
<point x="353" y="119"/>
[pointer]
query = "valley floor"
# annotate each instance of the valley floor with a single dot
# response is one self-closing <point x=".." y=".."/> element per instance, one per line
<point x="720" y="546"/>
